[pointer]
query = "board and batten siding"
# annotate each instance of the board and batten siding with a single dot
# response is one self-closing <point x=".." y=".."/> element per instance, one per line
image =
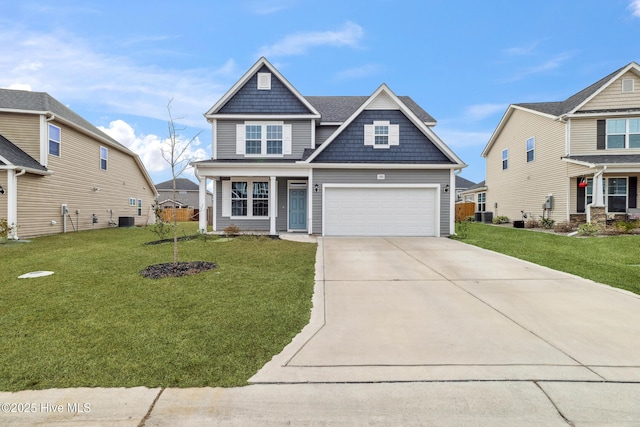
<point x="226" y="138"/>
<point x="370" y="176"/>
<point x="74" y="176"/>
<point x="23" y="130"/>
<point x="612" y="96"/>
<point x="523" y="186"/>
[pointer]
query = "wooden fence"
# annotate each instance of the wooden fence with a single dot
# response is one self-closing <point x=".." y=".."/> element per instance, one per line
<point x="465" y="210"/>
<point x="182" y="214"/>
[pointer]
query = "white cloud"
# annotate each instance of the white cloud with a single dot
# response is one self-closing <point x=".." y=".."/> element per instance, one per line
<point x="150" y="147"/>
<point x="522" y="50"/>
<point x="482" y="111"/>
<point x="299" y="43"/>
<point x="634" y="6"/>
<point x="71" y="70"/>
<point x="359" y="72"/>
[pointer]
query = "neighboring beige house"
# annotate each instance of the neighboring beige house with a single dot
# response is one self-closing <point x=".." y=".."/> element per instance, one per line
<point x="187" y="193"/>
<point x="576" y="160"/>
<point x="59" y="173"/>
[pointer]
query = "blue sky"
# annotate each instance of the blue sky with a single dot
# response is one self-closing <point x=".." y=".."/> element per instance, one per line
<point x="117" y="63"/>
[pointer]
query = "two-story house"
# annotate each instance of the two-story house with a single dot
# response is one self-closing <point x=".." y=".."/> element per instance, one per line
<point x="575" y="160"/>
<point x="186" y="196"/>
<point x="330" y="165"/>
<point x="60" y="173"/>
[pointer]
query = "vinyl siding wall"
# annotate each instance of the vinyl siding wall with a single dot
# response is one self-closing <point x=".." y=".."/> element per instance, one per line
<point x="364" y="176"/>
<point x="226" y="139"/>
<point x="613" y="98"/>
<point x="74" y="175"/>
<point x="23" y="130"/>
<point x="525" y="185"/>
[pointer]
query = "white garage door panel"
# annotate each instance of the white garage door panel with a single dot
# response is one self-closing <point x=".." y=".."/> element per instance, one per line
<point x="358" y="211"/>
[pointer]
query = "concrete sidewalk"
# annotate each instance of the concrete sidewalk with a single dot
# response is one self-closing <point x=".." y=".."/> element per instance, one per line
<point x="410" y="331"/>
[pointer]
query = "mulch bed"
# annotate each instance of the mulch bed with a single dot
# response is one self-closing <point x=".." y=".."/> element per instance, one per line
<point x="170" y="269"/>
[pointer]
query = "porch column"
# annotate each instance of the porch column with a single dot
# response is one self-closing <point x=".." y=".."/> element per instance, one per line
<point x="12" y="203"/>
<point x="598" y="189"/>
<point x="202" y="204"/>
<point x="273" y="207"/>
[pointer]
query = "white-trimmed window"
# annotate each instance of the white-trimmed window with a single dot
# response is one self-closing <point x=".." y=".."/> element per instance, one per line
<point x="268" y="139"/>
<point x="139" y="207"/>
<point x="623" y="133"/>
<point x="381" y="134"/>
<point x="245" y="198"/>
<point x="616" y="194"/>
<point x="505" y="158"/>
<point x="104" y="155"/>
<point x="482" y="202"/>
<point x="54" y="140"/>
<point x="132" y="201"/>
<point x="531" y="145"/>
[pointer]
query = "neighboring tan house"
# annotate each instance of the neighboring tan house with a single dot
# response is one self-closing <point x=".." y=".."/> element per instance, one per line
<point x="187" y="193"/>
<point x="60" y="173"/>
<point x="330" y="165"/>
<point x="576" y="160"/>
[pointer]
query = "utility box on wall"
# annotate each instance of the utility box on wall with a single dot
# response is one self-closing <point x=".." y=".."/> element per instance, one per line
<point x="548" y="203"/>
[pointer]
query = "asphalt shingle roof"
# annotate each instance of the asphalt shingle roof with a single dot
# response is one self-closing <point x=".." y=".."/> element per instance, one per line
<point x="43" y="102"/>
<point x="337" y="109"/>
<point x="16" y="157"/>
<point x="181" y="184"/>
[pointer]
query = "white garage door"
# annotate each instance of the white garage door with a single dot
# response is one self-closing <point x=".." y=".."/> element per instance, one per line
<point x="380" y="211"/>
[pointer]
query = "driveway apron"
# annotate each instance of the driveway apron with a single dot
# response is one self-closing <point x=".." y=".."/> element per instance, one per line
<point x="435" y="309"/>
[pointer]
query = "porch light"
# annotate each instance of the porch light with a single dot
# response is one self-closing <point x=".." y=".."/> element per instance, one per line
<point x="446" y="188"/>
<point x="1" y="190"/>
<point x="316" y="188"/>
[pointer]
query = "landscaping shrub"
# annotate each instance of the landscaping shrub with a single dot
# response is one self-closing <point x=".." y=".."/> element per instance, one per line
<point x="231" y="231"/>
<point x="563" y="227"/>
<point x="627" y="227"/>
<point x="546" y="223"/>
<point x="588" y="229"/>
<point x="500" y="219"/>
<point x="531" y="223"/>
<point x="462" y="229"/>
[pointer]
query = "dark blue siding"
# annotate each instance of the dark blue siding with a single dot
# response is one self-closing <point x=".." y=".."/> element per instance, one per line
<point x="250" y="100"/>
<point x="414" y="146"/>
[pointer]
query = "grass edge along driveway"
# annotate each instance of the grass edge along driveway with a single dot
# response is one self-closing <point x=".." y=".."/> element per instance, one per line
<point x="96" y="322"/>
<point x="611" y="260"/>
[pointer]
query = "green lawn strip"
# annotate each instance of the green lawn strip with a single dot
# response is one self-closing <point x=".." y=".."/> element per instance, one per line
<point x="612" y="260"/>
<point x="97" y="322"/>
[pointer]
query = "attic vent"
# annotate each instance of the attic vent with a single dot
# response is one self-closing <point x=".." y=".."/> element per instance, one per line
<point x="627" y="85"/>
<point x="264" y="81"/>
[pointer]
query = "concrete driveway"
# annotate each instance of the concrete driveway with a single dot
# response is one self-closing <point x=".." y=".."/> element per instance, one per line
<point x="413" y="309"/>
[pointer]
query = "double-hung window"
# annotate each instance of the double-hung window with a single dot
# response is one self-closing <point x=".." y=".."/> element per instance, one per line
<point x="104" y="155"/>
<point x="505" y="158"/>
<point x="616" y="194"/>
<point x="381" y="134"/>
<point x="269" y="139"/>
<point x="623" y="133"/>
<point x="249" y="199"/>
<point x="54" y="140"/>
<point x="482" y="202"/>
<point x="531" y="145"/>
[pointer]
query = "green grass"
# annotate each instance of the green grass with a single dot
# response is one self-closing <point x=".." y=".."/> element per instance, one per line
<point x="612" y="260"/>
<point x="97" y="322"/>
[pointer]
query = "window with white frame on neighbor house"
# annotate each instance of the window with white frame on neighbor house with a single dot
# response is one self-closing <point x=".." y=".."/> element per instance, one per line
<point x="623" y="133"/>
<point x="531" y="145"/>
<point x="104" y="154"/>
<point x="505" y="158"/>
<point x="54" y="140"/>
<point x="482" y="202"/>
<point x="615" y="191"/>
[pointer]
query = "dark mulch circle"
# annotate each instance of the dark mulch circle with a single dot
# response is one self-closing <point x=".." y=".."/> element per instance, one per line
<point x="170" y="269"/>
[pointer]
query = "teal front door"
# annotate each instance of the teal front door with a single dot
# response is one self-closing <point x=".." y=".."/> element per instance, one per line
<point x="297" y="209"/>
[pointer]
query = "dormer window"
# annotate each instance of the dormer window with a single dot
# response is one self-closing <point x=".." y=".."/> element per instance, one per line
<point x="264" y="81"/>
<point x="381" y="134"/>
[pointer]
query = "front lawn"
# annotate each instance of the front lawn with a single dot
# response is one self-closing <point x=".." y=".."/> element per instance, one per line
<point x="612" y="260"/>
<point x="97" y="322"/>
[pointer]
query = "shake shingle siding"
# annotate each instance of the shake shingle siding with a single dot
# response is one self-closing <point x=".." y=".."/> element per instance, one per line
<point x="414" y="146"/>
<point x="277" y="100"/>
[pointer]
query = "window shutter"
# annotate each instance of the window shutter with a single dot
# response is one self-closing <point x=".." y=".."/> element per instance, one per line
<point x="394" y="134"/>
<point x="601" y="135"/>
<point x="286" y="139"/>
<point x="580" y="197"/>
<point x="633" y="192"/>
<point x="226" y="198"/>
<point x="240" y="139"/>
<point x="368" y="135"/>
